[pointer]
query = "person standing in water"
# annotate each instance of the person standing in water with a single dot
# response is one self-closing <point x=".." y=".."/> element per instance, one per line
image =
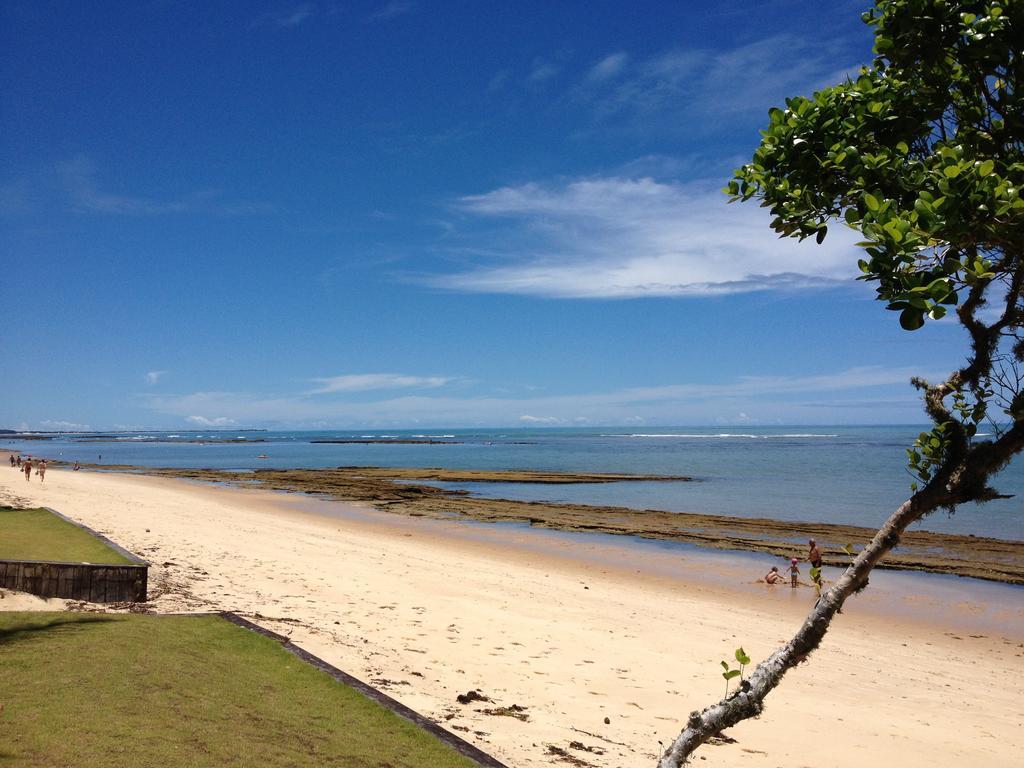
<point x="814" y="554"/>
<point x="814" y="558"/>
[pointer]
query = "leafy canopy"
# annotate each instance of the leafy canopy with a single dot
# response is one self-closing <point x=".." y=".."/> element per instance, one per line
<point x="921" y="152"/>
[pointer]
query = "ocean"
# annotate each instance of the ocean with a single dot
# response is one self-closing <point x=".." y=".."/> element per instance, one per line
<point x="853" y="475"/>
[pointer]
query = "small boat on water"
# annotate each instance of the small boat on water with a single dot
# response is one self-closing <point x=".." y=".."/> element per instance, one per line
<point x="263" y="456"/>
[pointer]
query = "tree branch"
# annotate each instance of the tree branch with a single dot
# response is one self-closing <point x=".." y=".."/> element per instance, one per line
<point x="748" y="701"/>
<point x="965" y="481"/>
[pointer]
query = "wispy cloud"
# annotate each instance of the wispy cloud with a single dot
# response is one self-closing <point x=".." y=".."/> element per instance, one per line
<point x="365" y="382"/>
<point x="542" y="71"/>
<point x="608" y="67"/>
<point x="694" y="90"/>
<point x="760" y="398"/>
<point x="78" y="178"/>
<point x="528" y="419"/>
<point x="152" y="377"/>
<point x="63" y="426"/>
<point x="285" y="19"/>
<point x="392" y="10"/>
<point x="499" y="80"/>
<point x="217" y="421"/>
<point x="622" y="238"/>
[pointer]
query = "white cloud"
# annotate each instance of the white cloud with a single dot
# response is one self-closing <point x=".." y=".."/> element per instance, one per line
<point x="619" y="238"/>
<point x="295" y="16"/>
<point x="608" y="67"/>
<point x="392" y="10"/>
<point x="694" y="89"/>
<point x="63" y="426"/>
<point x="285" y="19"/>
<point x="219" y="421"/>
<point x="761" y="398"/>
<point x="527" y="419"/>
<point x="363" y="382"/>
<point x="542" y="71"/>
<point x="152" y="377"/>
<point x="78" y="179"/>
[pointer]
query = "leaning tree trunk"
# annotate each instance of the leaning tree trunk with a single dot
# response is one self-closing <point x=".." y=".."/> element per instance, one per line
<point x="748" y="700"/>
<point x="946" y="489"/>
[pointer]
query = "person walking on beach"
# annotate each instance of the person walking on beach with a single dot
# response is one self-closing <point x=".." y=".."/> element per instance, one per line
<point x="794" y="573"/>
<point x="12" y="461"/>
<point x="41" y="471"/>
<point x="27" y="466"/>
<point x="19" y="461"/>
<point x="773" y="576"/>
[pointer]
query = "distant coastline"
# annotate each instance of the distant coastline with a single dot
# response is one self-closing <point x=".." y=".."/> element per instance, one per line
<point x="846" y="476"/>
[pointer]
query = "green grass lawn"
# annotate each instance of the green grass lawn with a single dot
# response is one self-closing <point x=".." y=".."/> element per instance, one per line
<point x="127" y="690"/>
<point x="35" y="534"/>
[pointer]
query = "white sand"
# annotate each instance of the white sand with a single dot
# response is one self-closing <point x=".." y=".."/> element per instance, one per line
<point x="427" y="610"/>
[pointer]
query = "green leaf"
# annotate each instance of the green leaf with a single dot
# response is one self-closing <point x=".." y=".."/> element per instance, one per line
<point x="986" y="168"/>
<point x="911" y="319"/>
<point x="741" y="656"/>
<point x="894" y="231"/>
<point x="725" y="665"/>
<point x="871" y="201"/>
<point x="848" y="549"/>
<point x="731" y="674"/>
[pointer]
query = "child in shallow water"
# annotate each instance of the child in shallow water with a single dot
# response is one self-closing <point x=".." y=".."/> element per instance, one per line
<point x="773" y="576"/>
<point x="794" y="573"/>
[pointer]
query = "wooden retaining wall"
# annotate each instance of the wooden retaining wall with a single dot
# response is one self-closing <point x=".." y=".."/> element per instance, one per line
<point x="76" y="581"/>
<point x="96" y="583"/>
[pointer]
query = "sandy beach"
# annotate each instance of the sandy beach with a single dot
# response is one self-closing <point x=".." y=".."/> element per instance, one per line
<point x="606" y="652"/>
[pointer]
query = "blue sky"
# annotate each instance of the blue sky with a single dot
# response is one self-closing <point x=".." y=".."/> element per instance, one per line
<point x="405" y="213"/>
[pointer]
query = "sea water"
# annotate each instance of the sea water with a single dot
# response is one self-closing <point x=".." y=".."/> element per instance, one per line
<point x="851" y="475"/>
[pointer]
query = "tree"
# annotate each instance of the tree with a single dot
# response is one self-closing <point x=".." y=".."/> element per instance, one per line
<point x="923" y="154"/>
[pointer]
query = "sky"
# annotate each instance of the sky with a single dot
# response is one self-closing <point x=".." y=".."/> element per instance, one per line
<point x="407" y="213"/>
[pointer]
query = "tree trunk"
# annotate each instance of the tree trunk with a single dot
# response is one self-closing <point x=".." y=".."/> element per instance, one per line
<point x="748" y="700"/>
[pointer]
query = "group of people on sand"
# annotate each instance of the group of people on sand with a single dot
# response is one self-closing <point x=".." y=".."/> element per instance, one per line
<point x="813" y="557"/>
<point x="26" y="465"/>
